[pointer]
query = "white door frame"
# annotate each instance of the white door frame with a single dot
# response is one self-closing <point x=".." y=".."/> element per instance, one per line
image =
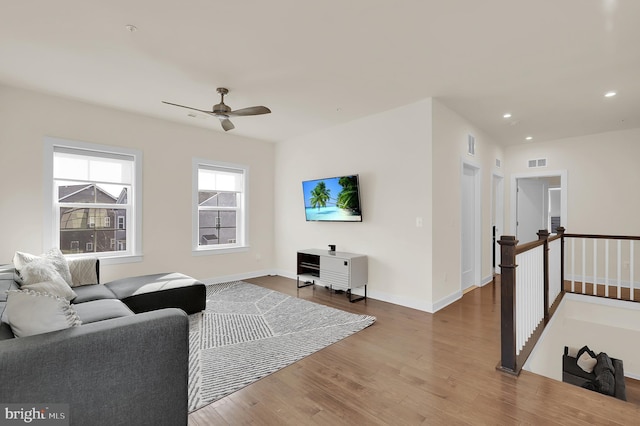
<point x="477" y="250"/>
<point x="497" y="202"/>
<point x="514" y="195"/>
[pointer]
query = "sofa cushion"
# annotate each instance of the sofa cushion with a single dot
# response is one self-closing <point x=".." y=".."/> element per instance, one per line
<point x="7" y="281"/>
<point x="30" y="312"/>
<point x="100" y="310"/>
<point x="5" y="331"/>
<point x="87" y="293"/>
<point x="54" y="255"/>
<point x="157" y="291"/>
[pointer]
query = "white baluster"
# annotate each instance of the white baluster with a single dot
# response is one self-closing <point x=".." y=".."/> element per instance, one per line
<point x="619" y="267"/>
<point x="573" y="265"/>
<point x="606" y="269"/>
<point x="595" y="264"/>
<point x="584" y="265"/>
<point x="631" y="263"/>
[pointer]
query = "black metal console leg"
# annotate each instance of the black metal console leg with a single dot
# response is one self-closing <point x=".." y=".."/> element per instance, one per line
<point x="306" y="283"/>
<point x="357" y="299"/>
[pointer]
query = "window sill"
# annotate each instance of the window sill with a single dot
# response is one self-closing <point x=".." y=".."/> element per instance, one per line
<point x="111" y="260"/>
<point x="210" y="251"/>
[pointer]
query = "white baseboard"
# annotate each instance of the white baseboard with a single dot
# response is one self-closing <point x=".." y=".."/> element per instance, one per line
<point x="446" y="301"/>
<point x="239" y="277"/>
<point x="486" y="280"/>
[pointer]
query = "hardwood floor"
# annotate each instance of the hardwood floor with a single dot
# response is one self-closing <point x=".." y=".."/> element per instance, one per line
<point x="412" y="368"/>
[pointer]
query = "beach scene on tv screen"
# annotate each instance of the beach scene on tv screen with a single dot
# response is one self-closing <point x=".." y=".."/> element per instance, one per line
<point x="332" y="199"/>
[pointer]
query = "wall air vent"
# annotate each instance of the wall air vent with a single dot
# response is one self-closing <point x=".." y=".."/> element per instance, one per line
<point x="539" y="162"/>
<point x="471" y="145"/>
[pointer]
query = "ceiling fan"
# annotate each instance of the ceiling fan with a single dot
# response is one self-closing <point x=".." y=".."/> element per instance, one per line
<point x="223" y="112"/>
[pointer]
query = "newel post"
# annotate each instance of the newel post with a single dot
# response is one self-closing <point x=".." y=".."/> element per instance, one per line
<point x="508" y="266"/>
<point x="543" y="234"/>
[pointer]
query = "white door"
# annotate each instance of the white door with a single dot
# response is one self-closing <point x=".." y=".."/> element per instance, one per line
<point x="497" y="219"/>
<point x="531" y="208"/>
<point x="468" y="226"/>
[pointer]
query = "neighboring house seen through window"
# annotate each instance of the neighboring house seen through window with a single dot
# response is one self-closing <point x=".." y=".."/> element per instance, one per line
<point x="93" y="189"/>
<point x="219" y="206"/>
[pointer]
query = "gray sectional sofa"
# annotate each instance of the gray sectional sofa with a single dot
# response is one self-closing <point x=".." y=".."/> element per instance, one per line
<point x="127" y="364"/>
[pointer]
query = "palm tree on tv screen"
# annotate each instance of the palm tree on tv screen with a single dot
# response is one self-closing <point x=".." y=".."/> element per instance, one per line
<point x="320" y="195"/>
<point x="348" y="197"/>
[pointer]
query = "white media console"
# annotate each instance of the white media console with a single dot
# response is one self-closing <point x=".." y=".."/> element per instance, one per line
<point x="335" y="270"/>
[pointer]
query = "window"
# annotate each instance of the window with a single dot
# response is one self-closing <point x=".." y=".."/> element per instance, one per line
<point x="90" y="184"/>
<point x="219" y="206"/>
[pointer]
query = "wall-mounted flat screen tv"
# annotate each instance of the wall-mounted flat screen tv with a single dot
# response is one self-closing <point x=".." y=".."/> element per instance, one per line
<point x="335" y="199"/>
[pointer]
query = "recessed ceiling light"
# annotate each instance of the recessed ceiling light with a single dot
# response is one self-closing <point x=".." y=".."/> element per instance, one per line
<point x="507" y="115"/>
<point x="529" y="138"/>
<point x="610" y="94"/>
<point x="131" y="28"/>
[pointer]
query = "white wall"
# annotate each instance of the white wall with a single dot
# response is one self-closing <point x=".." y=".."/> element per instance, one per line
<point x="27" y="117"/>
<point x="450" y="132"/>
<point x="602" y="174"/>
<point x="391" y="152"/>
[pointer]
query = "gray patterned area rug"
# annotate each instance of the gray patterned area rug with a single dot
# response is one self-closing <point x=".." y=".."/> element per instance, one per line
<point x="247" y="332"/>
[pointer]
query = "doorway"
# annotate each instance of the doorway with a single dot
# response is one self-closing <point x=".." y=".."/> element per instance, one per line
<point x="538" y="201"/>
<point x="470" y="226"/>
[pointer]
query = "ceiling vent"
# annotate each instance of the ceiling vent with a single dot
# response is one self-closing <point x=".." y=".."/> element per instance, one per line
<point x="471" y="145"/>
<point x="539" y="162"/>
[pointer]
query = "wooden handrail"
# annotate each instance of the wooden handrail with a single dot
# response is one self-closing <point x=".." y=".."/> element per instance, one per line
<point x="536" y="243"/>
<point x="603" y="237"/>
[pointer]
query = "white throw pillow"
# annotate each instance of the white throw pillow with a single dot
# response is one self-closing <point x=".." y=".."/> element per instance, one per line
<point x="30" y="312"/>
<point x="56" y="288"/>
<point x="586" y="362"/>
<point x="20" y="260"/>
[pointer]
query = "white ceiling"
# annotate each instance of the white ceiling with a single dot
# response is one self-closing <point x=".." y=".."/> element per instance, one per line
<point x="318" y="64"/>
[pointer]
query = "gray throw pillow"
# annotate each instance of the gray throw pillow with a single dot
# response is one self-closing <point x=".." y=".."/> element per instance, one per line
<point x="606" y="383"/>
<point x="30" y="312"/>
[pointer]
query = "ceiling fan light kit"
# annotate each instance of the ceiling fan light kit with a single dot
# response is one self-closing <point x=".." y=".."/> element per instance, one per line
<point x="222" y="111"/>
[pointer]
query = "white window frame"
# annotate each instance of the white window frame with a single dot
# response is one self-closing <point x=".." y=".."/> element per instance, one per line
<point x="51" y="237"/>
<point x="106" y="222"/>
<point x="242" y="219"/>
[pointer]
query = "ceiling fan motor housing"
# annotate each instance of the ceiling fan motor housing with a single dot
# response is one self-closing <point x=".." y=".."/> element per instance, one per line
<point x="221" y="108"/>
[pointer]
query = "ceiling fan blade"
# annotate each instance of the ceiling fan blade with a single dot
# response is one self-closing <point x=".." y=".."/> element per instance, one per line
<point x="227" y="124"/>
<point x="255" y="110"/>
<point x="187" y="107"/>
